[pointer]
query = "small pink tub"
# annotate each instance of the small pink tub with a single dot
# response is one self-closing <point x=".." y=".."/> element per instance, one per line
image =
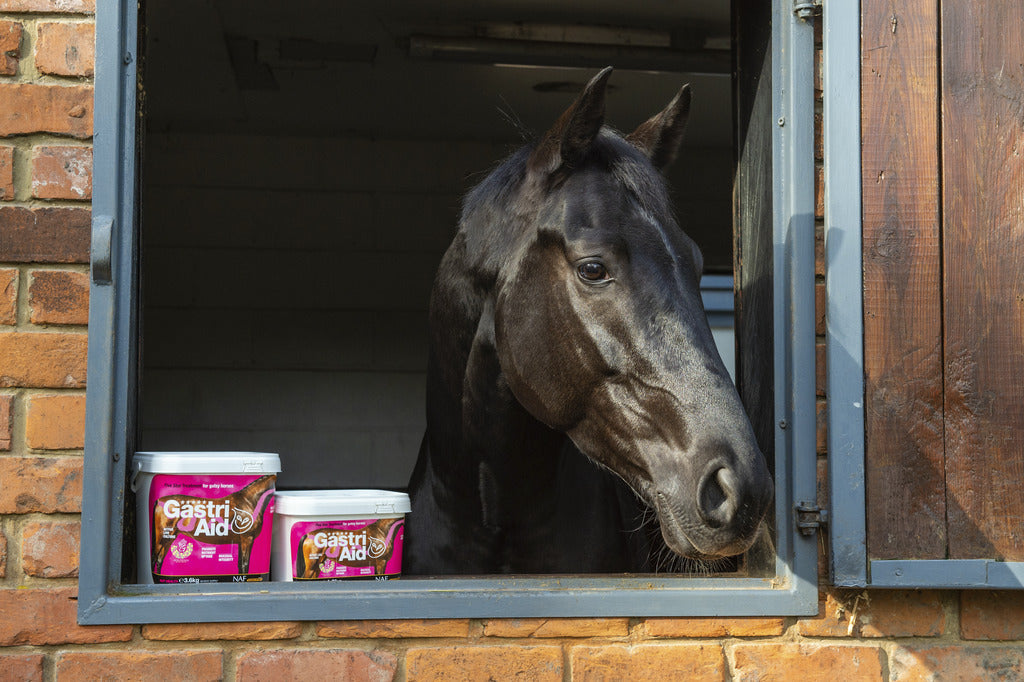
<point x="338" y="534"/>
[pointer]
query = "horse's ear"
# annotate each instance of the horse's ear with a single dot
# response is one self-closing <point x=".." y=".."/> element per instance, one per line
<point x="659" y="136"/>
<point x="575" y="129"/>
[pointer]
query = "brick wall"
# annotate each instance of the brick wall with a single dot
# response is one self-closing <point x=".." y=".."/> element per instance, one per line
<point x="46" y="66"/>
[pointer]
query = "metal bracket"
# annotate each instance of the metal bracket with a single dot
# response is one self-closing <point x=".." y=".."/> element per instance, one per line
<point x="102" y="249"/>
<point x="807" y="9"/>
<point x="810" y="518"/>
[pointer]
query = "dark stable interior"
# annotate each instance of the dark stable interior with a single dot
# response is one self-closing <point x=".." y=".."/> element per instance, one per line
<point x="302" y="174"/>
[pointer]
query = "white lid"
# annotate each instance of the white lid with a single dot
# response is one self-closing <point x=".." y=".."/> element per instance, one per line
<point x="207" y="462"/>
<point x="341" y="502"/>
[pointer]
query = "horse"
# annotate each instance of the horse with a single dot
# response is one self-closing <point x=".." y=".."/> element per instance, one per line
<point x="234" y="519"/>
<point x="573" y="384"/>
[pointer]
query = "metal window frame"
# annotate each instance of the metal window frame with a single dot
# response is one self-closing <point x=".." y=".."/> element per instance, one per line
<point x="103" y="598"/>
<point x="850" y="565"/>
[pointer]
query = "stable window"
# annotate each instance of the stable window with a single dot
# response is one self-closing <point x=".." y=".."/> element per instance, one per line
<point x="257" y="193"/>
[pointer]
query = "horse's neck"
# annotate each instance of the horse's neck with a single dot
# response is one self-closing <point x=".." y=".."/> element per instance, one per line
<point x="483" y="442"/>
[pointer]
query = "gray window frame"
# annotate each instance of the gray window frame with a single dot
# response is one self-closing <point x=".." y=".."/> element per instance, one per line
<point x="103" y="598"/>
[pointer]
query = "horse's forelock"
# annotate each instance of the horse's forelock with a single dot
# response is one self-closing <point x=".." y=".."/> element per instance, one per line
<point x="500" y="191"/>
<point x="637" y="174"/>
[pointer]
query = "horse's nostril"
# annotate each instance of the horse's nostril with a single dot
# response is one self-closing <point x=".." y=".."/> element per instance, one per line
<point x="718" y="497"/>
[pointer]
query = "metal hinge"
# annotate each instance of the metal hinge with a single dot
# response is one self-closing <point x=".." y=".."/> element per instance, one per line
<point x="806" y="9"/>
<point x="810" y="518"/>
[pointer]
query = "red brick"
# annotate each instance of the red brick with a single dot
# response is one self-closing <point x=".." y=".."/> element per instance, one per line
<point x="8" y="295"/>
<point x="885" y="613"/>
<point x="6" y="414"/>
<point x="62" y="172"/>
<point x="819" y="192"/>
<point x="318" y="664"/>
<point x="40" y="484"/>
<point x="22" y="667"/>
<point x="211" y="632"/>
<point x="39" y="360"/>
<point x="65" y="48"/>
<point x="140" y="666"/>
<point x="956" y="662"/>
<point x="691" y="662"/>
<point x="712" y="627"/>
<point x="819" y="68"/>
<point x="49" y="6"/>
<point x="34" y="108"/>
<point x="819" y="139"/>
<point x="10" y="47"/>
<point x="50" y="550"/>
<point x="820" y="308"/>
<point x="557" y="627"/>
<point x="992" y="615"/>
<point x="454" y="663"/>
<point x="48" y="616"/>
<point x="44" y="235"/>
<point x="784" y="662"/>
<point x="819" y="250"/>
<point x="394" y="628"/>
<point x="58" y="297"/>
<point x="820" y="367"/>
<point x="3" y="555"/>
<point x="6" y="173"/>
<point x="821" y="427"/>
<point x="55" y="422"/>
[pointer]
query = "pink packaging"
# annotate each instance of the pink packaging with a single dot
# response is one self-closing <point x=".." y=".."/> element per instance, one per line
<point x="338" y="534"/>
<point x="347" y="549"/>
<point x="204" y="527"/>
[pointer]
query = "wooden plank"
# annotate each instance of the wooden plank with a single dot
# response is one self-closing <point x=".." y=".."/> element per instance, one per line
<point x="983" y="252"/>
<point x="752" y="218"/>
<point x="902" y="306"/>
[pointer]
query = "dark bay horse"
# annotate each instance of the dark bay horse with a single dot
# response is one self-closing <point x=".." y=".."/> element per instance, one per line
<point x="566" y="318"/>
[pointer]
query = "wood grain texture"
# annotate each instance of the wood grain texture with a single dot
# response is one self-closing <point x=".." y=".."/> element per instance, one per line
<point x="902" y="305"/>
<point x="752" y="218"/>
<point x="983" y="273"/>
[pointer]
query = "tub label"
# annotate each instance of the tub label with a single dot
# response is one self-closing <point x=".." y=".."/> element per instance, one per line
<point x="329" y="550"/>
<point x="211" y="528"/>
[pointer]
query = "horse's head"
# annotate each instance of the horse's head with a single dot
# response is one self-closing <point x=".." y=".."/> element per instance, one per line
<point x="601" y="333"/>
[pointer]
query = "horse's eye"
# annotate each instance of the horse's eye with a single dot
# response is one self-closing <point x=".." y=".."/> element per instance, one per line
<point x="593" y="271"/>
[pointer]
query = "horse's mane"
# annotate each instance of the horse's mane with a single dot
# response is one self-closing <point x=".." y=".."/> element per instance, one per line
<point x="610" y="151"/>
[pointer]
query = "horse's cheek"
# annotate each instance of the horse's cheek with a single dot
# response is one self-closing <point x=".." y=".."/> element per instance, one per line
<point x="527" y="361"/>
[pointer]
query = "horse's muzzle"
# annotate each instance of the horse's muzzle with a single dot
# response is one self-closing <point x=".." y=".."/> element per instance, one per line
<point x="721" y="517"/>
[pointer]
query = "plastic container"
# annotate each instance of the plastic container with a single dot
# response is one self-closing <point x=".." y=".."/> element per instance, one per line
<point x="204" y="516"/>
<point x="338" y="534"/>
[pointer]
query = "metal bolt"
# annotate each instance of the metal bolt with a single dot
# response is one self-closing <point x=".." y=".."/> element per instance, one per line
<point x="782" y="121"/>
<point x="783" y="424"/>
